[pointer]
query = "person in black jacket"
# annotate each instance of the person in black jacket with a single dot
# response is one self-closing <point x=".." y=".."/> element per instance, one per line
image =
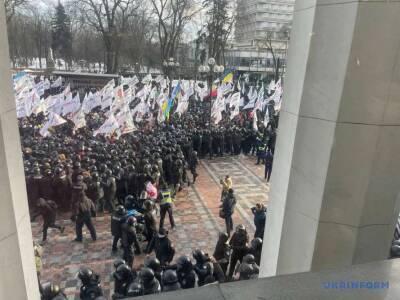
<point x="117" y="220"/>
<point x="48" y="210"/>
<point x="269" y="158"/>
<point x="83" y="211"/>
<point x="149" y="222"/>
<point x="222" y="251"/>
<point x="162" y="247"/>
<point x="228" y="207"/>
<point x="239" y="247"/>
<point x="185" y="272"/>
<point x="129" y="240"/>
<point x="193" y="162"/>
<point x="260" y="215"/>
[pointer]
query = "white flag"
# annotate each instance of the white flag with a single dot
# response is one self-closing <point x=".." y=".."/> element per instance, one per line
<point x="46" y="84"/>
<point x="109" y="127"/>
<point x="79" y="119"/>
<point x="266" y="117"/>
<point x="71" y="105"/>
<point x="53" y="121"/>
<point x="255" y="120"/>
<point x="57" y="83"/>
<point x="148" y="79"/>
<point x="125" y="122"/>
<point x="235" y="100"/>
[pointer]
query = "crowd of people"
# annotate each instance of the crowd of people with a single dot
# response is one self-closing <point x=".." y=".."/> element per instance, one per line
<point x="74" y="172"/>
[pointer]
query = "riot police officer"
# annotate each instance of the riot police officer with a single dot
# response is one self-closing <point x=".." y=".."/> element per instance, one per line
<point x="149" y="221"/>
<point x="123" y="277"/>
<point x="150" y="283"/>
<point x="90" y="288"/>
<point x="203" y="268"/>
<point x="256" y="249"/>
<point x="170" y="281"/>
<point x="239" y="247"/>
<point x="96" y="192"/>
<point x="193" y="162"/>
<point x="154" y="264"/>
<point x="52" y="291"/>
<point x="162" y="247"/>
<point x="110" y="190"/>
<point x="129" y="240"/>
<point x="48" y="210"/>
<point x="185" y="272"/>
<point x="118" y="219"/>
<point x="83" y="211"/>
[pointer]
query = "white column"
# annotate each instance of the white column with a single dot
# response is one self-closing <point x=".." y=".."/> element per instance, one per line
<point x="17" y="267"/>
<point x="335" y="185"/>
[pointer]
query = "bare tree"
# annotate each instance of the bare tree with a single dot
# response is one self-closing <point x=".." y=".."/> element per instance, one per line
<point x="172" y="16"/>
<point x="11" y="7"/>
<point x="109" y="18"/>
<point x="40" y="35"/>
<point x="218" y="28"/>
<point x="270" y="47"/>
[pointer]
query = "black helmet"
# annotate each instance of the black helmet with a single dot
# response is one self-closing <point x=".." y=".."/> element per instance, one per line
<point x="148" y="205"/>
<point x="199" y="256"/>
<point x="152" y="263"/>
<point x="223" y="237"/>
<point x="146" y="275"/>
<point x="240" y="227"/>
<point x="135" y="290"/>
<point x="131" y="221"/>
<point x="184" y="264"/>
<point x="395" y="250"/>
<point x="92" y="169"/>
<point x="120" y="210"/>
<point x="123" y="272"/>
<point x="249" y="259"/>
<point x="118" y="262"/>
<point x="95" y="175"/>
<point x="246" y="271"/>
<point x="256" y="243"/>
<point x="77" y="165"/>
<point x="50" y="290"/>
<point x="85" y="274"/>
<point x="129" y="199"/>
<point x="169" y="277"/>
<point x="108" y="172"/>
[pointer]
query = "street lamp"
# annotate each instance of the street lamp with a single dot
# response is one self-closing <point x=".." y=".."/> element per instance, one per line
<point x="208" y="71"/>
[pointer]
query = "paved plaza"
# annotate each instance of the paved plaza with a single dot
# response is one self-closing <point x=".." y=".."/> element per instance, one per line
<point x="196" y="214"/>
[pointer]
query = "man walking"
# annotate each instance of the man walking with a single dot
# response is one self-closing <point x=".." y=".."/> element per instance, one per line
<point x="48" y="210"/>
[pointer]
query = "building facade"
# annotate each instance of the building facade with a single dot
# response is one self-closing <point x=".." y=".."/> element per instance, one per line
<point x="261" y="25"/>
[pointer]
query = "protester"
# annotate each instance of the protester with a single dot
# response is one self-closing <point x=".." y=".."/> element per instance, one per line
<point x="227" y="210"/>
<point x="260" y="215"/>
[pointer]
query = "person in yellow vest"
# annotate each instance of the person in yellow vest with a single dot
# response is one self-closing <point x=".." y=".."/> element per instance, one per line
<point x="226" y="185"/>
<point x="166" y="200"/>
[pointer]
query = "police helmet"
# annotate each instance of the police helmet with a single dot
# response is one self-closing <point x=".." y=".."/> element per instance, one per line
<point x="152" y="263"/>
<point x="169" y="277"/>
